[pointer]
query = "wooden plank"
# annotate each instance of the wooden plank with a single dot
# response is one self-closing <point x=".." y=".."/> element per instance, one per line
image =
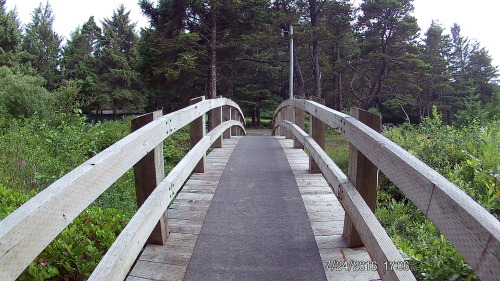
<point x="471" y="229"/>
<point x="148" y="173"/>
<point x="180" y="246"/>
<point x="318" y="133"/>
<point x="363" y="174"/>
<point x="29" y="229"/>
<point x="197" y="132"/>
<point x="373" y="235"/>
<point x="158" y="271"/>
<point x="290" y="116"/>
<point x="226" y="116"/>
<point x="300" y="121"/>
<point x="332" y="213"/>
<point x="216" y="121"/>
<point x="122" y="254"/>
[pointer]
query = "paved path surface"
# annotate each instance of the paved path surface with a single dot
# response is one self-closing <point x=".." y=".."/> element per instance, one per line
<point x="256" y="227"/>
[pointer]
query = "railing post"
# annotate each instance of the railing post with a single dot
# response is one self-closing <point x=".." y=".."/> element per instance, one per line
<point x="234" y="116"/>
<point x="216" y="121"/>
<point x="242" y="121"/>
<point x="363" y="174"/>
<point x="148" y="173"/>
<point x="299" y="121"/>
<point x="317" y="132"/>
<point x="290" y="116"/>
<point x="282" y="116"/>
<point x="198" y="131"/>
<point x="226" y="116"/>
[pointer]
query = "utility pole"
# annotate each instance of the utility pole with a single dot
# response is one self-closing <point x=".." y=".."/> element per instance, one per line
<point x="291" y="61"/>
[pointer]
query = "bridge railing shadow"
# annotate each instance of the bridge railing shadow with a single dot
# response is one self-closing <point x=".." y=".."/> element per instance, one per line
<point x="26" y="232"/>
<point x="470" y="228"/>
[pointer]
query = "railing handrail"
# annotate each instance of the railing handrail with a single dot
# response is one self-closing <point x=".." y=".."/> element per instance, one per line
<point x="470" y="228"/>
<point x="28" y="230"/>
<point x="122" y="254"/>
<point x="372" y="233"/>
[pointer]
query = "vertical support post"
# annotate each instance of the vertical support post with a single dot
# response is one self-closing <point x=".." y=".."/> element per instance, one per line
<point x="290" y="116"/>
<point x="234" y="116"/>
<point x="148" y="173"/>
<point x="226" y="116"/>
<point x="299" y="121"/>
<point x="363" y="174"/>
<point x="198" y="131"/>
<point x="283" y="117"/>
<point x="240" y="130"/>
<point x="216" y="121"/>
<point x="317" y="132"/>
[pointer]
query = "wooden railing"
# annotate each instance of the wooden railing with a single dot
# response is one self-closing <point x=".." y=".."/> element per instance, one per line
<point x="28" y="230"/>
<point x="473" y="231"/>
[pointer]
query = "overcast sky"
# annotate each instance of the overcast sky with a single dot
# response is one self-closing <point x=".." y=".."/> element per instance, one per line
<point x="478" y="18"/>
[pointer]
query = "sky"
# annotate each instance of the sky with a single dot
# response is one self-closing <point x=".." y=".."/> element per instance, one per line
<point x="477" y="19"/>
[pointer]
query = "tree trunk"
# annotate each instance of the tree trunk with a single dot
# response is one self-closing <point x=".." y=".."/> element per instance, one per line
<point x="301" y="92"/>
<point x="313" y="12"/>
<point x="212" y="53"/>
<point x="258" y="117"/>
<point x="337" y="82"/>
<point x="212" y="77"/>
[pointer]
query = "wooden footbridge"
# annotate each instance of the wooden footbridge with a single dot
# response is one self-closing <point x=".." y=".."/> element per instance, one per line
<point x="255" y="208"/>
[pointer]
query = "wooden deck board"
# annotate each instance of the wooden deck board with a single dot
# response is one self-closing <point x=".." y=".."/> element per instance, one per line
<point x="187" y="213"/>
<point x="327" y="221"/>
<point x="185" y="218"/>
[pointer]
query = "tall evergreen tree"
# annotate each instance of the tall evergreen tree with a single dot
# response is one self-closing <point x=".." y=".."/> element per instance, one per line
<point x="387" y="36"/>
<point x="42" y="44"/>
<point x="10" y="35"/>
<point x="436" y="85"/>
<point x="119" y="79"/>
<point x="81" y="64"/>
<point x="472" y="72"/>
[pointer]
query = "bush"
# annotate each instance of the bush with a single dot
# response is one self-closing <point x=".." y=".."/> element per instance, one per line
<point x="76" y="251"/>
<point x="469" y="157"/>
<point x="23" y="96"/>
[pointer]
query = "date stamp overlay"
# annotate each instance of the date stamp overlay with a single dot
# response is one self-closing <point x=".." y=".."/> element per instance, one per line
<point x="353" y="265"/>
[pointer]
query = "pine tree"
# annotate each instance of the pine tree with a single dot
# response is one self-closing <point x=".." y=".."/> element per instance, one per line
<point x="80" y="64"/>
<point x="119" y="79"/>
<point x="41" y="44"/>
<point x="10" y="36"/>
<point x="436" y="86"/>
<point x="387" y="36"/>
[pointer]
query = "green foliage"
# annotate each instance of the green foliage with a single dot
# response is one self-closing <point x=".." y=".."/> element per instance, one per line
<point x="22" y="96"/>
<point x="175" y="147"/>
<point x="34" y="152"/>
<point x="76" y="251"/>
<point x="41" y="45"/>
<point x="469" y="157"/>
<point x="11" y="199"/>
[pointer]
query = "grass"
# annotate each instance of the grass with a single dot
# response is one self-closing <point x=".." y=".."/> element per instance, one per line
<point x="337" y="147"/>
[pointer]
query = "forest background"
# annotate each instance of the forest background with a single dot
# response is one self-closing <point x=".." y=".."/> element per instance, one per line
<point x="439" y="90"/>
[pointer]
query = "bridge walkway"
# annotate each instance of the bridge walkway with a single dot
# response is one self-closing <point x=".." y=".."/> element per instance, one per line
<point x="263" y="216"/>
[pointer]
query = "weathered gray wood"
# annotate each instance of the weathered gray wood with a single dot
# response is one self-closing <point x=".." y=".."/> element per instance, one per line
<point x="473" y="231"/>
<point x="234" y="116"/>
<point x="290" y="116"/>
<point x="180" y="246"/>
<point x="363" y="174"/>
<point x="327" y="222"/>
<point x="197" y="131"/>
<point x="373" y="235"/>
<point x="299" y="120"/>
<point x="216" y="120"/>
<point x="122" y="254"/>
<point x="148" y="173"/>
<point x="226" y="116"/>
<point x="30" y="228"/>
<point x="318" y="133"/>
